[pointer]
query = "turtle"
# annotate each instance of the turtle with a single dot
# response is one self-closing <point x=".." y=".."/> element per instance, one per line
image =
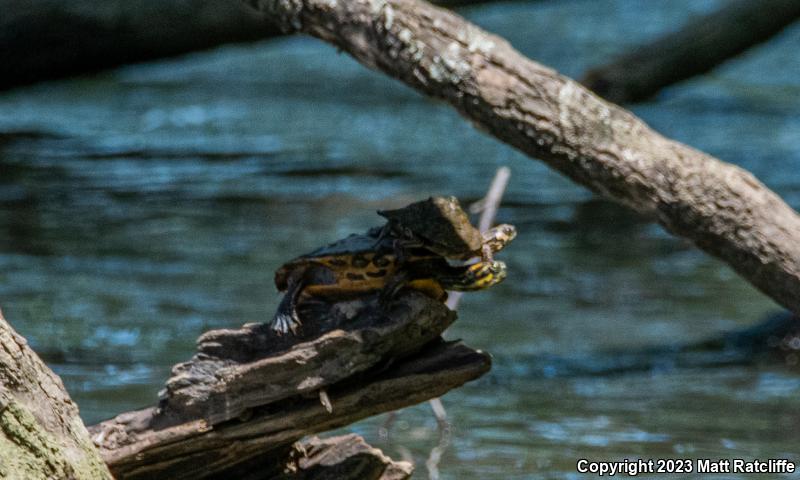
<point x="441" y="225"/>
<point x="364" y="263"/>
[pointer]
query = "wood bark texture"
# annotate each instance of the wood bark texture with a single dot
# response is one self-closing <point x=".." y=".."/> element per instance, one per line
<point x="693" y="50"/>
<point x="248" y="394"/>
<point x="722" y="208"/>
<point x="41" y="434"/>
<point x="47" y="39"/>
<point x="345" y="457"/>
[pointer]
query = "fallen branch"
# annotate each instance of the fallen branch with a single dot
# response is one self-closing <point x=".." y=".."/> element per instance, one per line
<point x="722" y="208"/>
<point x="248" y="395"/>
<point x="693" y="50"/>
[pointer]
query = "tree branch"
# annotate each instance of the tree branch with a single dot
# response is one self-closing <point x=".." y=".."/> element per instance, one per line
<point x="722" y="208"/>
<point x="41" y="434"/>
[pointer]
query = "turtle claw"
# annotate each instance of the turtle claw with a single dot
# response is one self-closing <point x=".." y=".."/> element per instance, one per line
<point x="285" y="322"/>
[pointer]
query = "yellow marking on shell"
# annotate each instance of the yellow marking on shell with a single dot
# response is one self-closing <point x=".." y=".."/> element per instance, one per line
<point x="342" y="267"/>
<point x="338" y="290"/>
<point x="349" y="280"/>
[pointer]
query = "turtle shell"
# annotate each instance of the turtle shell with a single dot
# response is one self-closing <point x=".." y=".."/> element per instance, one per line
<point x="341" y="254"/>
<point x="439" y="222"/>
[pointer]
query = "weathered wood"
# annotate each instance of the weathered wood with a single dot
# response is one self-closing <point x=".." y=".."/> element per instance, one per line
<point x="235" y="370"/>
<point x="345" y="457"/>
<point x="695" y="49"/>
<point x="47" y="39"/>
<point x="248" y="394"/>
<point x="722" y="208"/>
<point x="41" y="434"/>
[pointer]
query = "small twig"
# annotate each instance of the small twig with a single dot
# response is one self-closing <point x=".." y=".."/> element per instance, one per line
<point x="489" y="205"/>
<point x="325" y="400"/>
<point x="432" y="464"/>
<point x="438" y="411"/>
<point x="493" y="197"/>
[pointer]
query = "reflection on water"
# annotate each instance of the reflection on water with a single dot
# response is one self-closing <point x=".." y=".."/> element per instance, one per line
<point x="144" y="206"/>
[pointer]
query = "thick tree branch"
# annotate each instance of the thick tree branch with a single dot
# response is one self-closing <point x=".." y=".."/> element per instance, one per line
<point x="722" y="208"/>
<point x="41" y="434"/>
<point x="693" y="50"/>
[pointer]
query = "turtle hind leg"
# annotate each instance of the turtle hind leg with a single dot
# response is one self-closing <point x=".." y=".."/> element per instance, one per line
<point x="282" y="323"/>
<point x="391" y="288"/>
<point x="286" y="318"/>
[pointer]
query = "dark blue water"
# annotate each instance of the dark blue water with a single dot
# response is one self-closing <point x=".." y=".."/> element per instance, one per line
<point x="142" y="207"/>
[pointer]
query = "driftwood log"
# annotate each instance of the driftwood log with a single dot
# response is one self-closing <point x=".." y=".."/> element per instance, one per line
<point x="695" y="49"/>
<point x="41" y="434"/>
<point x="722" y="208"/>
<point x="47" y="39"/>
<point x="248" y="395"/>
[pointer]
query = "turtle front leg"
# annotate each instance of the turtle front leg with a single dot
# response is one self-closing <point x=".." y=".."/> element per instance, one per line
<point x="487" y="253"/>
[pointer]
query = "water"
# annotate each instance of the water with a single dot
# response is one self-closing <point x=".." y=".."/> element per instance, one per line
<point x="144" y="206"/>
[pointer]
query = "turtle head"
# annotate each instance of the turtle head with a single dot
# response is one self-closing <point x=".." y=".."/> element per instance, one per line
<point x="498" y="237"/>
